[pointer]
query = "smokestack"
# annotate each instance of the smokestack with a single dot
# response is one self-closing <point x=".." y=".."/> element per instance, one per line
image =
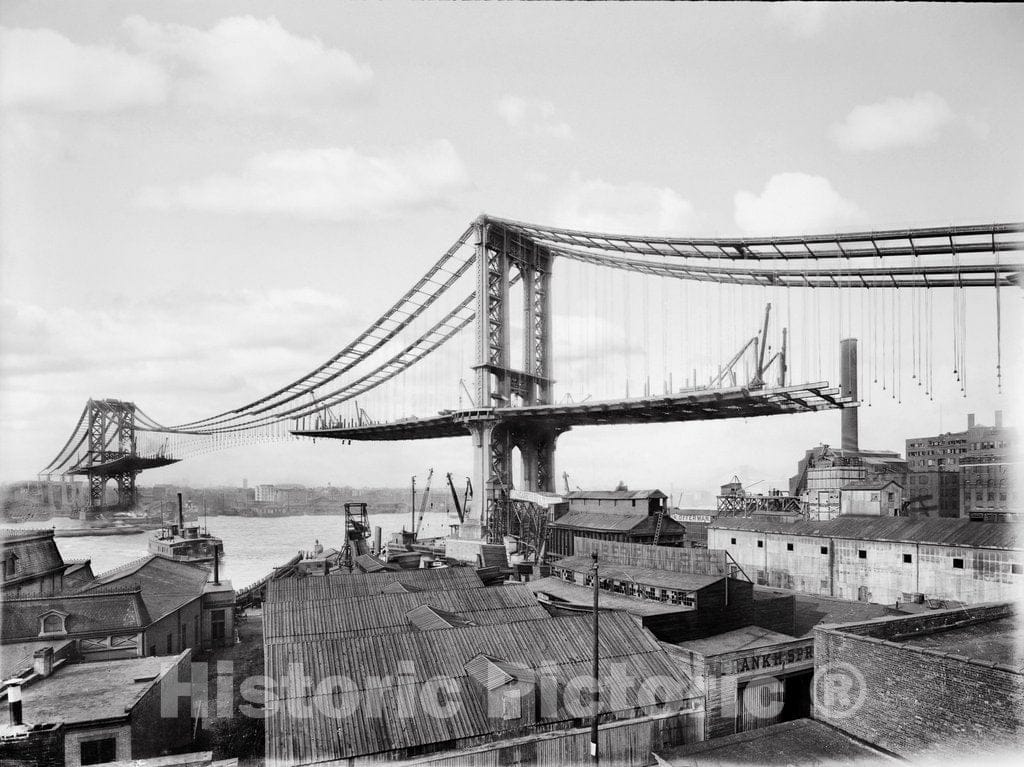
<point x="181" y="516"/>
<point x="42" y="662"/>
<point x="999" y="419"/>
<point x="848" y="388"/>
<point x="216" y="565"/>
<point x="14" y="701"/>
<point x="376" y="541"/>
<point x="970" y="420"/>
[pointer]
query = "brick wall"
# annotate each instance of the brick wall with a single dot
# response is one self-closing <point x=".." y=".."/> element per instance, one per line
<point x="44" y="747"/>
<point x="920" y="703"/>
<point x="153" y="734"/>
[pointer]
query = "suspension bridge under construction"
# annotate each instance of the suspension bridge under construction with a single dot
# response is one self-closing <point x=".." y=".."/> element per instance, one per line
<point x="489" y="344"/>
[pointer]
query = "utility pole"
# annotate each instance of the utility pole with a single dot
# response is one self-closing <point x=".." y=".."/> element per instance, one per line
<point x="412" y="509"/>
<point x="597" y="687"/>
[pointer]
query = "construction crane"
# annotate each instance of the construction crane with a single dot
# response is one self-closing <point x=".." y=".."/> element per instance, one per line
<point x="565" y="476"/>
<point x="423" y="503"/>
<point x="455" y="497"/>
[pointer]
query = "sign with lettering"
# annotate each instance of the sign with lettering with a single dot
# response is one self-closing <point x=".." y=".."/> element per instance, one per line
<point x="771" y="660"/>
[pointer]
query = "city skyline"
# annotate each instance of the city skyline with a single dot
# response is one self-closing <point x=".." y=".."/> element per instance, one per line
<point x="249" y="190"/>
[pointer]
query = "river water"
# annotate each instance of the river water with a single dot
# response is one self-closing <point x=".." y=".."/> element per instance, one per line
<point x="252" y="545"/>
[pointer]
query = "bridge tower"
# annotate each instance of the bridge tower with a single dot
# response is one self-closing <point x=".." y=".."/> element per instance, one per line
<point x="503" y="258"/>
<point x="111" y="451"/>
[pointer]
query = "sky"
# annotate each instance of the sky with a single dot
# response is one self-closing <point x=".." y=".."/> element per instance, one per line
<point x="201" y="201"/>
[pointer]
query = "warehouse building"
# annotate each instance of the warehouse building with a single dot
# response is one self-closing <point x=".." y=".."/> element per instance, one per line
<point x="406" y="664"/>
<point x="878" y="559"/>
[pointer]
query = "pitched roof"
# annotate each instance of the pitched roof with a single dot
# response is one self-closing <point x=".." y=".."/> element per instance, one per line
<point x="36" y="551"/>
<point x="646" y="576"/>
<point x="371" y="564"/>
<point x="103" y="611"/>
<point x="390" y="673"/>
<point x="581" y="598"/>
<point x="166" y="584"/>
<point x="18" y="656"/>
<point x="871" y="484"/>
<point x="638" y="524"/>
<point x="295" y="618"/>
<point x="940" y="532"/>
<point x="343" y="585"/>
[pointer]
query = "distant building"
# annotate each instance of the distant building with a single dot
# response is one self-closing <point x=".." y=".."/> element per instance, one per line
<point x="91" y="713"/>
<point x="932" y="493"/>
<point x="983" y="457"/>
<point x="877" y="498"/>
<point x="823" y="472"/>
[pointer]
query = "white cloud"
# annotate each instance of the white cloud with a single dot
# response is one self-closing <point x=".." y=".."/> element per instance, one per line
<point x="892" y="123"/>
<point x="803" y="19"/>
<point x="333" y="183"/>
<point x="244" y="62"/>
<point x="795" y="203"/>
<point x="532" y="118"/>
<point x="41" y="70"/>
<point x="597" y="205"/>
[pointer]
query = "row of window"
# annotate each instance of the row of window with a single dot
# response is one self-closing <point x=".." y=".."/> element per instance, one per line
<point x="958" y="562"/>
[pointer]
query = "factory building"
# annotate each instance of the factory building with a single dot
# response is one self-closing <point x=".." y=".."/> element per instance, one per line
<point x="932" y="493"/>
<point x="622" y="515"/>
<point x="878" y="559"/>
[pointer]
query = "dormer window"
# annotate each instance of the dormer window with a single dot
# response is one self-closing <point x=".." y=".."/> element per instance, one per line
<point x="53" y="622"/>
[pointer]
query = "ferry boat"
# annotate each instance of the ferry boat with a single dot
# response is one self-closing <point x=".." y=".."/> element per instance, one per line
<point x="186" y="544"/>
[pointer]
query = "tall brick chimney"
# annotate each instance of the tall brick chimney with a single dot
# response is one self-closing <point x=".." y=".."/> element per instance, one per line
<point x="848" y="388"/>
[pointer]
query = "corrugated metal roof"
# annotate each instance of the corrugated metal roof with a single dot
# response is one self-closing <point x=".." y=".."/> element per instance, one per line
<point x="342" y="585"/>
<point x="430" y="618"/>
<point x="870" y="484"/>
<point x="941" y="532"/>
<point x="388" y="673"/>
<point x="293" y="619"/>
<point x="638" y="524"/>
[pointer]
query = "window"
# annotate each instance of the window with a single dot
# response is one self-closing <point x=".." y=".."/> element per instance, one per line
<point x="760" y="544"/>
<point x="732" y="541"/>
<point x="908" y="559"/>
<point x="53" y="624"/>
<point x="862" y="554"/>
<point x="170" y="643"/>
<point x="1016" y="569"/>
<point x="824" y="549"/>
<point x="958" y="564"/>
<point x="99" y="751"/>
<point x="789" y="547"/>
<point x="10" y="565"/>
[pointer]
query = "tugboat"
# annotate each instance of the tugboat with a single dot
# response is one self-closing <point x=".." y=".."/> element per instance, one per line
<point x="186" y="543"/>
